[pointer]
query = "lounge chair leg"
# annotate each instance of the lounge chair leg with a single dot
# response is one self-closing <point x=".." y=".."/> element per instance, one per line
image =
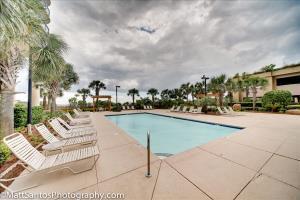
<point x="81" y="171"/>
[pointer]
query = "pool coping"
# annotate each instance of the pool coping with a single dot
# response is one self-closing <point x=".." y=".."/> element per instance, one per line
<point x="181" y="118"/>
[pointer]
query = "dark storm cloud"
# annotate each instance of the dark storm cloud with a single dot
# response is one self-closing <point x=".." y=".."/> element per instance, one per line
<point x="164" y="43"/>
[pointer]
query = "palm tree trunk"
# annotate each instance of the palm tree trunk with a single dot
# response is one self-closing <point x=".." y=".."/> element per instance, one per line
<point x="53" y="104"/>
<point x="221" y="99"/>
<point x="133" y="99"/>
<point x="240" y="96"/>
<point x="6" y="113"/>
<point x="254" y="99"/>
<point x="44" y="102"/>
<point x="49" y="102"/>
<point x="153" y="100"/>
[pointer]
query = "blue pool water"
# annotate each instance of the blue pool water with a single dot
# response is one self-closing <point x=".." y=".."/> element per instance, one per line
<point x="169" y="135"/>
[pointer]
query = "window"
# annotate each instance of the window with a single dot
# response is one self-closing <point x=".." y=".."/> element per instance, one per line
<point x="288" y="80"/>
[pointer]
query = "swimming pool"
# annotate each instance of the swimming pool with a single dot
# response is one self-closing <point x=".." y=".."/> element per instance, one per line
<point x="169" y="135"/>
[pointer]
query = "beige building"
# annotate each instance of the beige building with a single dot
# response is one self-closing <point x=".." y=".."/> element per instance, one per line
<point x="285" y="78"/>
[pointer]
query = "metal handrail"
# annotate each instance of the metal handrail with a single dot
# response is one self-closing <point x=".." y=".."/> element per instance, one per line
<point x="148" y="174"/>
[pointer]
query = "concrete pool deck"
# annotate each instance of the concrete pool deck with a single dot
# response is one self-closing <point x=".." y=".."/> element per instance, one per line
<point x="261" y="161"/>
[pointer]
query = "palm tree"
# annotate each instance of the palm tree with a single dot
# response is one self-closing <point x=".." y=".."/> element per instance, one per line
<point x="230" y="87"/>
<point x="217" y="85"/>
<point x="246" y="83"/>
<point x="49" y="65"/>
<point x="153" y="92"/>
<point x="254" y="83"/>
<point x="97" y="86"/>
<point x="268" y="68"/>
<point x="132" y="93"/>
<point x="186" y="90"/>
<point x="165" y="94"/>
<point x="20" y="25"/>
<point x="84" y="93"/>
<point x="239" y="86"/>
<point x="196" y="89"/>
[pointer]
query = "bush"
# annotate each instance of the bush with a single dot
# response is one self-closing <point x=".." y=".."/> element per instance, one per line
<point x="38" y="115"/>
<point x="116" y="108"/>
<point x="20" y="115"/>
<point x="276" y="99"/>
<point x="206" y="102"/>
<point x="293" y="106"/>
<point x="4" y="153"/>
<point x="237" y="107"/>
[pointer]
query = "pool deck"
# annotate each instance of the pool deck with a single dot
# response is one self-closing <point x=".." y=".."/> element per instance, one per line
<point x="261" y="162"/>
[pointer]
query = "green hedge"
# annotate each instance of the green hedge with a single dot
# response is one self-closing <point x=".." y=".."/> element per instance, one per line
<point x="4" y="153"/>
<point x="293" y="106"/>
<point x="249" y="104"/>
<point x="276" y="100"/>
<point x="20" y="115"/>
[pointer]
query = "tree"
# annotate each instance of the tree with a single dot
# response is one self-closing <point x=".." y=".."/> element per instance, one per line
<point x="133" y="92"/>
<point x="186" y="90"/>
<point x="239" y="86"/>
<point x="268" y="68"/>
<point x="49" y="65"/>
<point x="246" y="83"/>
<point x="20" y="25"/>
<point x="97" y="86"/>
<point x="196" y="89"/>
<point x="255" y="83"/>
<point x="153" y="92"/>
<point x="230" y="87"/>
<point x="84" y="93"/>
<point x="165" y="94"/>
<point x="217" y="85"/>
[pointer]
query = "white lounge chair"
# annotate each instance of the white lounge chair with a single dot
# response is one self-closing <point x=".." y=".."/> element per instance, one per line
<point x="172" y="109"/>
<point x="40" y="164"/>
<point x="221" y="111"/>
<point x="64" y="133"/>
<point x="76" y="127"/>
<point x="132" y="107"/>
<point x="177" y="109"/>
<point x="227" y="111"/>
<point x="184" y="109"/>
<point x="150" y="107"/>
<point x="192" y="109"/>
<point x="198" y="110"/>
<point x="81" y="114"/>
<point x="77" y="121"/>
<point x="145" y="108"/>
<point x="55" y="143"/>
<point x="123" y="108"/>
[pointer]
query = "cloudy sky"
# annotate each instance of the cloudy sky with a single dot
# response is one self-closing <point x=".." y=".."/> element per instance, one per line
<point x="163" y="43"/>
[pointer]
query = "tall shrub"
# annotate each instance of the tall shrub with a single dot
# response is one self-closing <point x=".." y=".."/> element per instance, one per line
<point x="276" y="98"/>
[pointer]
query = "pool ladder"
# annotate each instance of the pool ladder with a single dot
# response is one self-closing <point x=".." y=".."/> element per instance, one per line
<point x="148" y="174"/>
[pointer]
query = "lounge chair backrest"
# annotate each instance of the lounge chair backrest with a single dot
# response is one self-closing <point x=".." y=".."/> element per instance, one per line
<point x="76" y="112"/>
<point x="68" y="115"/>
<point x="59" y="129"/>
<point x="230" y="108"/>
<point x="173" y="107"/>
<point x="45" y="133"/>
<point x="199" y="109"/>
<point x="63" y="122"/>
<point x="132" y="107"/>
<point x="226" y="110"/>
<point x="150" y="107"/>
<point x="24" y="151"/>
<point x="220" y="110"/>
